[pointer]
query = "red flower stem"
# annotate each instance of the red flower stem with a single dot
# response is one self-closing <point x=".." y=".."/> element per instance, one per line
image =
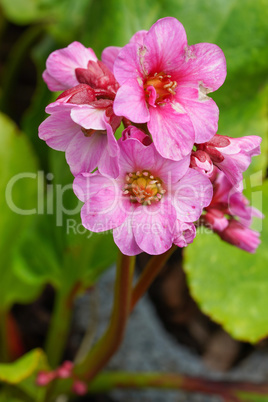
<point x="230" y="391"/>
<point x="150" y="272"/>
<point x="105" y="348"/>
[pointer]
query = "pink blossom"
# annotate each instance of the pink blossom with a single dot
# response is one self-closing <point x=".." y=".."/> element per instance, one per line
<point x="164" y="83"/>
<point x="231" y="155"/>
<point x="65" y="370"/>
<point x="240" y="236"/>
<point x="61" y="65"/>
<point x="82" y="122"/>
<point x="134" y="132"/>
<point x="79" y="387"/>
<point x="230" y="215"/>
<point x="150" y="205"/>
<point x="45" y="377"/>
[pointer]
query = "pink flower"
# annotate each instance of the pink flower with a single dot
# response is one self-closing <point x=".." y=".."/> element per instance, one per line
<point x="230" y="215"/>
<point x="134" y="132"/>
<point x="61" y="65"/>
<point x="150" y="205"/>
<point x="164" y="83"/>
<point x="82" y="122"/>
<point x="231" y="155"/>
<point x="65" y="370"/>
<point x="240" y="236"/>
<point x="79" y="387"/>
<point x="45" y="377"/>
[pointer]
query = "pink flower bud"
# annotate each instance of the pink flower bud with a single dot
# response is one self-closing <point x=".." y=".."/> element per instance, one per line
<point x="65" y="370"/>
<point x="45" y="377"/>
<point x="241" y="236"/>
<point x="79" y="387"/>
<point x="134" y="132"/>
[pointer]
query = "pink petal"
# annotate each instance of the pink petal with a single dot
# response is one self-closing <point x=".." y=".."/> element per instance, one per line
<point x="164" y="46"/>
<point x="88" y="117"/>
<point x="58" y="130"/>
<point x="153" y="227"/>
<point x="138" y="37"/>
<point x="52" y="83"/>
<point x="130" y="102"/>
<point x="109" y="55"/>
<point x="241" y="236"/>
<point x="124" y="238"/>
<point x="234" y="166"/>
<point x="184" y="234"/>
<point x="168" y="170"/>
<point x="134" y="156"/>
<point x="249" y="145"/>
<point x="86" y="185"/>
<point x="112" y="144"/>
<point x="203" y="112"/>
<point x="216" y="220"/>
<point x="172" y="131"/>
<point x="105" y="209"/>
<point x="59" y="106"/>
<point x="61" y="65"/>
<point x="83" y="153"/>
<point x="134" y="132"/>
<point x="191" y="194"/>
<point x="127" y="65"/>
<point x="204" y="63"/>
<point x="108" y="163"/>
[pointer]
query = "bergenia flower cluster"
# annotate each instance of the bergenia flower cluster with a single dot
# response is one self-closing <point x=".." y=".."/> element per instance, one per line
<point x="169" y="171"/>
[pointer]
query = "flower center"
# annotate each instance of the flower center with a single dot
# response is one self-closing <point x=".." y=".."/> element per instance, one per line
<point x="159" y="86"/>
<point x="143" y="187"/>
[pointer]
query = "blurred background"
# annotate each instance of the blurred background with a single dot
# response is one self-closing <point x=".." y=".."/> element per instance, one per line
<point x="45" y="252"/>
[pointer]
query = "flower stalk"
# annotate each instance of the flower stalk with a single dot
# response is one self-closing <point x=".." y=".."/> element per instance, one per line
<point x="150" y="272"/>
<point x="231" y="391"/>
<point x="104" y="349"/>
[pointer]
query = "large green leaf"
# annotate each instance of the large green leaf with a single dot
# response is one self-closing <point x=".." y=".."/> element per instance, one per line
<point x="22" y="374"/>
<point x="18" y="205"/>
<point x="18" y="371"/>
<point x="229" y="284"/>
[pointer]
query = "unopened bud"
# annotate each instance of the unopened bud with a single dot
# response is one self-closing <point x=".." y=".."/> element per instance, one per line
<point x="79" y="387"/>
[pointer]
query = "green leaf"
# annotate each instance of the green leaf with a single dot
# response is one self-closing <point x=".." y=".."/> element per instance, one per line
<point x="22" y="374"/>
<point x="18" y="205"/>
<point x="16" y="372"/>
<point x="229" y="284"/>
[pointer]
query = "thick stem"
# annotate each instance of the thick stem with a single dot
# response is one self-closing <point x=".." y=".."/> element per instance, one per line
<point x="148" y="275"/>
<point x="230" y="391"/>
<point x="104" y="349"/>
<point x="60" y="325"/>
